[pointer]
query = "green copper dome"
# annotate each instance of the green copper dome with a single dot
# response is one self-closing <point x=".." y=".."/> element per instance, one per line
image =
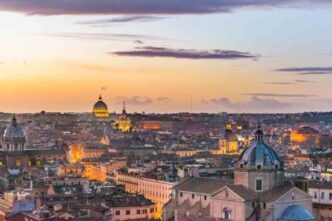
<point x="259" y="152"/>
<point x="297" y="213"/>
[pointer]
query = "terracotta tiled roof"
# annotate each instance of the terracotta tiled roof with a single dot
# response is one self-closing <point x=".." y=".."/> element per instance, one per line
<point x="320" y="185"/>
<point x="275" y="193"/>
<point x="243" y="192"/>
<point x="22" y="217"/>
<point x="203" y="185"/>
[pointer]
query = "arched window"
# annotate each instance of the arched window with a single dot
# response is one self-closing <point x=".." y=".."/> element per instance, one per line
<point x="227" y="213"/>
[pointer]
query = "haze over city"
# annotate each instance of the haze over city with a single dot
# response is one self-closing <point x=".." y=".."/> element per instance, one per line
<point x="165" y="110"/>
<point x="166" y="56"/>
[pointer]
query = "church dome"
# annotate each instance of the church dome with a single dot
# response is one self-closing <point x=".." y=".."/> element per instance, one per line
<point x="100" y="108"/>
<point x="14" y="132"/>
<point x="259" y="153"/>
<point x="296" y="213"/>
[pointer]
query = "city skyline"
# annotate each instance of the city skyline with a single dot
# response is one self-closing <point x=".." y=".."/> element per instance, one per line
<point x="203" y="56"/>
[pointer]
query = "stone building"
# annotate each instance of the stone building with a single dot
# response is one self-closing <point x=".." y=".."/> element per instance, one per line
<point x="15" y="156"/>
<point x="123" y="123"/>
<point x="258" y="192"/>
<point x="228" y="144"/>
<point x="157" y="191"/>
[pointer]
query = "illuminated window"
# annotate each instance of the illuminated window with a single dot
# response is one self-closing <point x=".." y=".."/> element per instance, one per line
<point x="18" y="162"/>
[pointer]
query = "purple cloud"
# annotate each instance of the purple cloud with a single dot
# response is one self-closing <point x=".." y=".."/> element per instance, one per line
<point x="279" y="83"/>
<point x="304" y="81"/>
<point x="253" y="105"/>
<point x="108" y="36"/>
<point x="185" y="53"/>
<point x="138" y="41"/>
<point x="267" y="105"/>
<point x="123" y="19"/>
<point x="163" y="100"/>
<point x="136" y="7"/>
<point x="307" y="70"/>
<point x="279" y="95"/>
<point x="135" y="100"/>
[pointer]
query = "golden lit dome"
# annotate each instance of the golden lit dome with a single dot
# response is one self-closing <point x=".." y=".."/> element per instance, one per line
<point x="100" y="109"/>
<point x="124" y="122"/>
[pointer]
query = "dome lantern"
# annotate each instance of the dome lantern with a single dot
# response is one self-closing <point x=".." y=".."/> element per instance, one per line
<point x="259" y="135"/>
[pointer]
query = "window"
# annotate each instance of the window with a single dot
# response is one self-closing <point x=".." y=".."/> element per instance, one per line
<point x="226" y="214"/>
<point x="330" y="196"/>
<point x="181" y="194"/>
<point x="322" y="196"/>
<point x="315" y="195"/>
<point x="264" y="205"/>
<point x="145" y="211"/>
<point x="18" y="163"/>
<point x="276" y="167"/>
<point x="151" y="210"/>
<point x="127" y="212"/>
<point x="253" y="204"/>
<point x="205" y="197"/>
<point x="259" y="167"/>
<point x="259" y="185"/>
<point x="193" y="196"/>
<point x="117" y="212"/>
<point x="138" y="212"/>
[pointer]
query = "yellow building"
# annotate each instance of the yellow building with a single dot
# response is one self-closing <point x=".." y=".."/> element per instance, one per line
<point x="157" y="191"/>
<point x="305" y="135"/>
<point x="95" y="172"/>
<point x="124" y="121"/>
<point x="75" y="170"/>
<point x="78" y="152"/>
<point x="100" y="109"/>
<point x="99" y="170"/>
<point x="228" y="144"/>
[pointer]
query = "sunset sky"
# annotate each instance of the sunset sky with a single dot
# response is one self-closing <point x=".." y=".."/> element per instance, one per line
<point x="159" y="55"/>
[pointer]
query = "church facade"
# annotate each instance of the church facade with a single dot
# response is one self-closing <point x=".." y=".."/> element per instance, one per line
<point x="228" y="144"/>
<point x="123" y="123"/>
<point x="258" y="192"/>
<point x="15" y="156"/>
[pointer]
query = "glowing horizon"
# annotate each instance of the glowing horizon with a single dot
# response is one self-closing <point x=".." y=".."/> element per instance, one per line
<point x="254" y="59"/>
